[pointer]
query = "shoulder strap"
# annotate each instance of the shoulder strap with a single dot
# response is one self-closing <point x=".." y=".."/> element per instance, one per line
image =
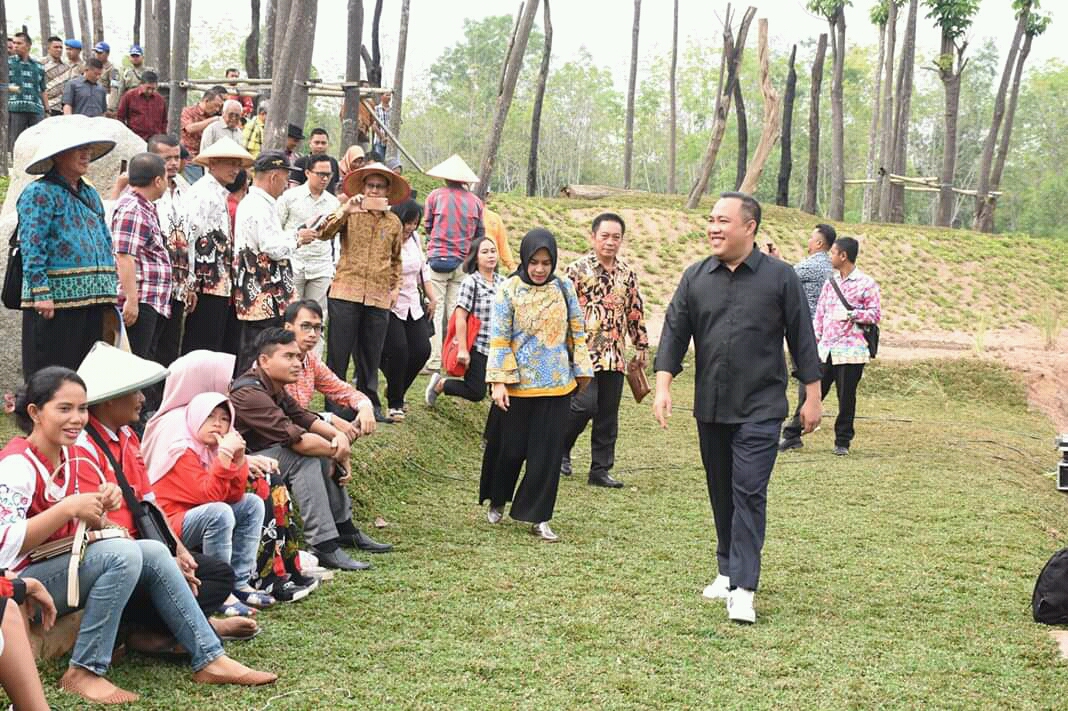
<point x="841" y="296"/>
<point x="127" y="491"/>
<point x="246" y="381"/>
<point x="48" y="177"/>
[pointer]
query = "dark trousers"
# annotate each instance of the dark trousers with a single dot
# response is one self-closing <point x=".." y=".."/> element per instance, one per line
<point x="598" y="402"/>
<point x="250" y="331"/>
<point x="65" y="339"/>
<point x="357" y="332"/>
<point x="532" y="430"/>
<point x="216" y="583"/>
<point x="17" y="122"/>
<point x="738" y="460"/>
<point x="144" y="337"/>
<point x="473" y="385"/>
<point x="170" y="339"/>
<point x="406" y="351"/>
<point x="212" y="326"/>
<point x="845" y="378"/>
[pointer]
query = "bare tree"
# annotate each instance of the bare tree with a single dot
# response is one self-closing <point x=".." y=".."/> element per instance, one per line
<point x="786" y="159"/>
<point x="879" y="16"/>
<point x="68" y="19"/>
<point x="374" y="68"/>
<point x="834" y="11"/>
<point x="298" y="106"/>
<point x="812" y="178"/>
<point x="268" y="38"/>
<point x="163" y="41"/>
<point x="673" y="118"/>
<point x="730" y="63"/>
<point x="83" y="21"/>
<point x="4" y="78"/>
<point x="148" y="46"/>
<point x="881" y="197"/>
<point x="350" y="117"/>
<point x="906" y="68"/>
<point x="283" y="8"/>
<point x="772" y="128"/>
<point x="46" y="25"/>
<point x="98" y="21"/>
<point x="398" y="76"/>
<point x="300" y="24"/>
<point x="252" y="43"/>
<point x="743" y="136"/>
<point x="539" y="97"/>
<point x="513" y="63"/>
<point x="183" y="10"/>
<point x="628" y="141"/>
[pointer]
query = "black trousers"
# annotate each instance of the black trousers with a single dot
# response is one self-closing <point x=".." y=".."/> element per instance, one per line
<point x="212" y="326"/>
<point x="738" y="460"/>
<point x="170" y="339"/>
<point x="146" y="331"/>
<point x="356" y="332"/>
<point x="65" y="339"/>
<point x="598" y="402"/>
<point x="250" y="331"/>
<point x="406" y="351"/>
<point x="845" y="378"/>
<point x="216" y="583"/>
<point x="473" y="385"/>
<point x="531" y="431"/>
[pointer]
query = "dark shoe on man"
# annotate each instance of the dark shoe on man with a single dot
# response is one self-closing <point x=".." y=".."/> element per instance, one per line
<point x="565" y="466"/>
<point x="840" y="451"/>
<point x="339" y="560"/>
<point x="364" y="542"/>
<point x="786" y="445"/>
<point x="604" y="480"/>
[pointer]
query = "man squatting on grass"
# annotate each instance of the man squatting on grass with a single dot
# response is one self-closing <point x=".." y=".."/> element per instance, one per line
<point x="737" y="305"/>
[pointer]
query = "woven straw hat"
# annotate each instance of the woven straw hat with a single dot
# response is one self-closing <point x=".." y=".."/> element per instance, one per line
<point x="225" y="147"/>
<point x="111" y="372"/>
<point x="399" y="190"/>
<point x="57" y="142"/>
<point x="453" y="168"/>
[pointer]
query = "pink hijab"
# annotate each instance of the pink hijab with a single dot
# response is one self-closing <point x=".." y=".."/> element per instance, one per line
<point x="196" y="373"/>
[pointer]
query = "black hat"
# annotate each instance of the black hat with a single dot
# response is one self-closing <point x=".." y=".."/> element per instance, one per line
<point x="296" y="132"/>
<point x="270" y="160"/>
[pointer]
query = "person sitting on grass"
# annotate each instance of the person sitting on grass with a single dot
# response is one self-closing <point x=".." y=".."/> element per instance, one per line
<point x="477" y="292"/>
<point x="18" y="673"/>
<point x="40" y="474"/>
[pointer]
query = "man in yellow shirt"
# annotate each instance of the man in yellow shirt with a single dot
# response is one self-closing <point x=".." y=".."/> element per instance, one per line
<point x="494" y="226"/>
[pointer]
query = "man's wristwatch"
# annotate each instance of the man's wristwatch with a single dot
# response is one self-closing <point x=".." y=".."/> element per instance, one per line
<point x="18" y="591"/>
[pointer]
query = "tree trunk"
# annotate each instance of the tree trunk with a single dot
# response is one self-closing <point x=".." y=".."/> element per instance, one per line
<point x="673" y="117"/>
<point x="836" y="206"/>
<point x="398" y="76"/>
<point x="743" y="136"/>
<point x="148" y="46"/>
<point x="539" y="97"/>
<point x="68" y="20"/>
<point x="46" y="25"/>
<point x="906" y="68"/>
<point x="881" y="199"/>
<point x="299" y="32"/>
<point x="983" y="211"/>
<point x="374" y="73"/>
<point x="83" y="21"/>
<point x="770" y="132"/>
<point x="730" y="63"/>
<point x="98" y="21"/>
<point x="298" y="106"/>
<point x="281" y="29"/>
<point x="786" y="159"/>
<point x="513" y="63"/>
<point x="950" y="74"/>
<point x="628" y="140"/>
<point x="350" y="109"/>
<point x="4" y="79"/>
<point x="267" y="63"/>
<point x="252" y="44"/>
<point x="987" y="224"/>
<point x="811" y="183"/>
<point x="873" y="128"/>
<point x="183" y="10"/>
<point x="163" y="43"/>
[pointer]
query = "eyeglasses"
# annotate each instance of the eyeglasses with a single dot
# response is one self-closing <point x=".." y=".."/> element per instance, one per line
<point x="321" y="174"/>
<point x="311" y="327"/>
<point x="376" y="186"/>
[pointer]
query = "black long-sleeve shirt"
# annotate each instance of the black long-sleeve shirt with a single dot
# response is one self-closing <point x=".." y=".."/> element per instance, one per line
<point x="737" y="321"/>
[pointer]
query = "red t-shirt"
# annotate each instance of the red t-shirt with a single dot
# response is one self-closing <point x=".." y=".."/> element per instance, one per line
<point x="127" y="452"/>
<point x="188" y="485"/>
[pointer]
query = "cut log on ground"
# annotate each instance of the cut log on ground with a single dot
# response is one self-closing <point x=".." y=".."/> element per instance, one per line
<point x="595" y="192"/>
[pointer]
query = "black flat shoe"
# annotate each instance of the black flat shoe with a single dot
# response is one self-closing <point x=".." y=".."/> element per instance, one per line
<point x="606" y="481"/>
<point x="841" y="451"/>
<point x="786" y="445"/>
<point x="339" y="560"/>
<point x="364" y="542"/>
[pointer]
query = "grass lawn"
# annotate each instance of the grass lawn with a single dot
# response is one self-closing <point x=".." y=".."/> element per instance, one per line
<point x="897" y="577"/>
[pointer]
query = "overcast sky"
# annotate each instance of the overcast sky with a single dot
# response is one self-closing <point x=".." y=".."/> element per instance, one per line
<point x="602" y="26"/>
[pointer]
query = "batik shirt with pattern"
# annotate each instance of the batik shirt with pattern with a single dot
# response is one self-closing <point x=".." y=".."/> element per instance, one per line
<point x="842" y="340"/>
<point x="174" y="223"/>
<point x="210" y="236"/>
<point x="613" y="309"/>
<point x="814" y="272"/>
<point x="29" y="77"/>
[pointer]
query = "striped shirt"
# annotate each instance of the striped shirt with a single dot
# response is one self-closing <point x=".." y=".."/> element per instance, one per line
<point x="453" y="221"/>
<point x="57" y="74"/>
<point x="136" y="231"/>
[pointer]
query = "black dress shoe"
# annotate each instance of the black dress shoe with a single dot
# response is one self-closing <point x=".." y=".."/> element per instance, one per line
<point x="605" y="480"/>
<point x="364" y="542"/>
<point x="339" y="560"/>
<point x="565" y="466"/>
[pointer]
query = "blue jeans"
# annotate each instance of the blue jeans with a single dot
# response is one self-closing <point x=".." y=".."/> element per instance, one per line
<point x="228" y="532"/>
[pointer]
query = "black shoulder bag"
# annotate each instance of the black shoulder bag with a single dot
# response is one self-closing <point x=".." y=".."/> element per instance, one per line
<point x="150" y="521"/>
<point x="871" y="330"/>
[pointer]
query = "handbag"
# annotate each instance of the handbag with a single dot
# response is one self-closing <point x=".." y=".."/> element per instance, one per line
<point x="870" y="330"/>
<point x="639" y="384"/>
<point x="424" y="301"/>
<point x="11" y="294"/>
<point x="150" y="522"/>
<point x="450" y="348"/>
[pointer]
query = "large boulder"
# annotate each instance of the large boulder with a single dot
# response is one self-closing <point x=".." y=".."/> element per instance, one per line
<point x="102" y="174"/>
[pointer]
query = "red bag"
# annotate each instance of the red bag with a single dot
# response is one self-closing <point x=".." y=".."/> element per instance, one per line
<point x="450" y="348"/>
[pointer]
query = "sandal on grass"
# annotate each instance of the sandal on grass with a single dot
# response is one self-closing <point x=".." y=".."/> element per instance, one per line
<point x="236" y="608"/>
<point x="255" y="598"/>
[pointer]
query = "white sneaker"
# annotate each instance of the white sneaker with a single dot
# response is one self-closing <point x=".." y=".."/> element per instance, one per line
<point x="542" y="531"/>
<point x="494" y="515"/>
<point x="720" y="589"/>
<point x="740" y="606"/>
<point x="431" y="395"/>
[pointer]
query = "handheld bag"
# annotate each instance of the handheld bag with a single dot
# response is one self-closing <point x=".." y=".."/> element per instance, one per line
<point x="450" y="348"/>
<point x="11" y="294"/>
<point x="871" y="330"/>
<point x="1049" y="601"/>
<point x="639" y="384"/>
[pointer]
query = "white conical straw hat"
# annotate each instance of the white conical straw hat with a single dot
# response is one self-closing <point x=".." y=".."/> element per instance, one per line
<point x="56" y="142"/>
<point x="225" y="147"/>
<point x="453" y="168"/>
<point x="111" y="372"/>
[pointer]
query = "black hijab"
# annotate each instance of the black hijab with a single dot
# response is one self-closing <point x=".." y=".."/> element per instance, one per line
<point x="538" y="238"/>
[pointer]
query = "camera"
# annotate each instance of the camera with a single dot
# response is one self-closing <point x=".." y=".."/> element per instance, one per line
<point x="1062" y="466"/>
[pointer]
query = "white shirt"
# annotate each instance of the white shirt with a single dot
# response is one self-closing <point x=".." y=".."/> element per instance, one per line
<point x="296" y="208"/>
<point x="174" y="224"/>
<point x="258" y="228"/>
<point x="208" y="221"/>
<point x="218" y="130"/>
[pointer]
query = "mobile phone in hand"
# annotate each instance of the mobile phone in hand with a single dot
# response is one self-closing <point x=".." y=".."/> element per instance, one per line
<point x="122" y="167"/>
<point x="375" y="203"/>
